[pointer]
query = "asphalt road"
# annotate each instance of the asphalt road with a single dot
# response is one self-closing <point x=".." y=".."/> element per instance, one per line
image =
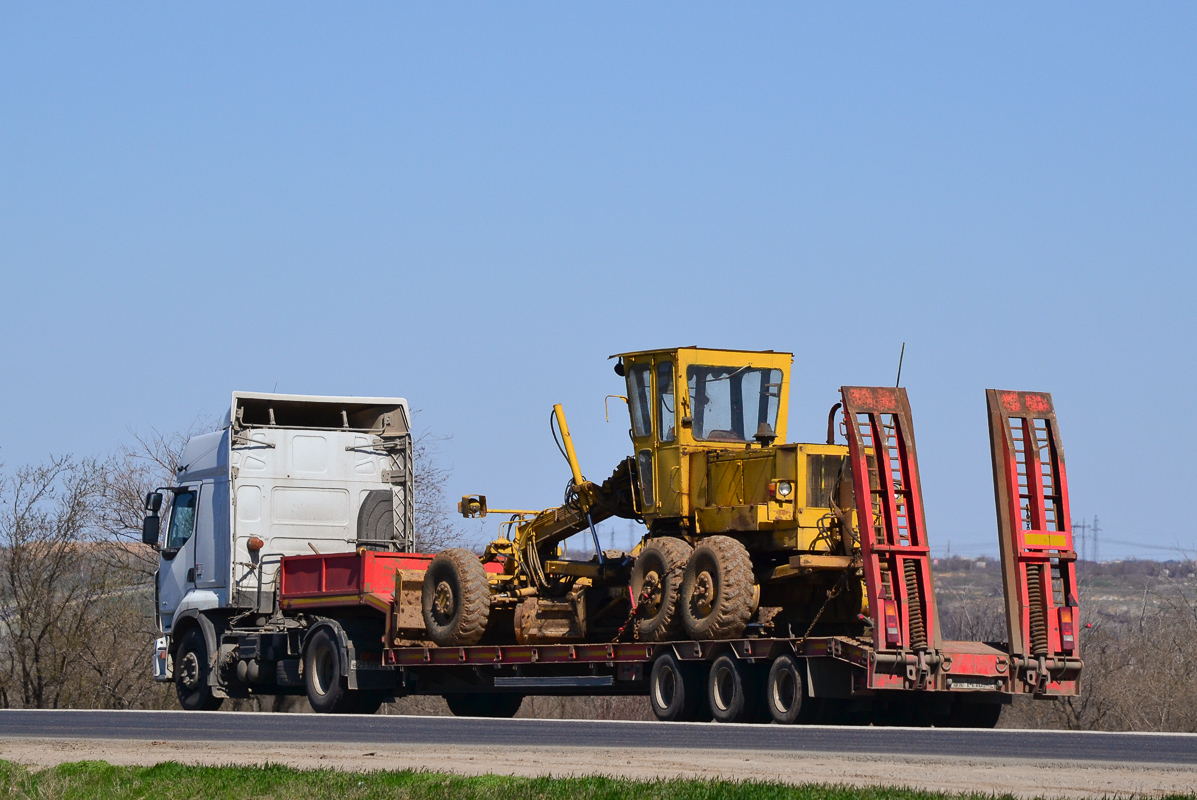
<point x="266" y="728"/>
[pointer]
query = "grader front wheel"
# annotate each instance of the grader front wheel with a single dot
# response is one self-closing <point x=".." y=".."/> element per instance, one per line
<point x="717" y="589"/>
<point x="656" y="585"/>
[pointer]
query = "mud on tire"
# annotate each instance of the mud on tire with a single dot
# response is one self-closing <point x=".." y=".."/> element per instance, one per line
<point x="717" y="590"/>
<point x="663" y="561"/>
<point x="456" y="598"/>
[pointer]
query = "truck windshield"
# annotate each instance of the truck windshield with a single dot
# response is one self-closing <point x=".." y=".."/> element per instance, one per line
<point x="729" y="404"/>
<point x="182" y="520"/>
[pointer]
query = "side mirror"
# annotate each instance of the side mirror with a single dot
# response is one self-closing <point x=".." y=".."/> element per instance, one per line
<point x="151" y="525"/>
<point x="149" y="530"/>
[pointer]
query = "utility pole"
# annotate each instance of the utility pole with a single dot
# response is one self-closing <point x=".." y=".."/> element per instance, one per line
<point x="1083" y="527"/>
<point x="1096" y="530"/>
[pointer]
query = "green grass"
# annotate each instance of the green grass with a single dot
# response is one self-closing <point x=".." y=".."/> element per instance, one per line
<point x="96" y="779"/>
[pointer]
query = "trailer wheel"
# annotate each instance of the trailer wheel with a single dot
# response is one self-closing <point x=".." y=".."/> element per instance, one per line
<point x="660" y="565"/>
<point x="191" y="674"/>
<point x="717" y="589"/>
<point x="502" y="706"/>
<point x="677" y="690"/>
<point x="456" y="598"/>
<point x="786" y="692"/>
<point x="733" y="690"/>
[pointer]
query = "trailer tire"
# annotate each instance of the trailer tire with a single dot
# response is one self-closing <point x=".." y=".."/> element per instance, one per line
<point x="499" y="706"/>
<point x="658" y="619"/>
<point x="192" y="667"/>
<point x="787" y="694"/>
<point x="717" y="589"/>
<point x="456" y="598"/>
<point x="677" y="690"/>
<point x="734" y="691"/>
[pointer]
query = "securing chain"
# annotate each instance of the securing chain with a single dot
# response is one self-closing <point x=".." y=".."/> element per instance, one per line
<point x="645" y="594"/>
<point x="832" y="593"/>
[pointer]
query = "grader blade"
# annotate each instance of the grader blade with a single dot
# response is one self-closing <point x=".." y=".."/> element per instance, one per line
<point x="889" y="512"/>
<point x="1034" y="529"/>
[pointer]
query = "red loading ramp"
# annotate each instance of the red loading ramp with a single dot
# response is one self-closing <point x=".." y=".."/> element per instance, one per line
<point x="889" y="510"/>
<point x="1034" y="526"/>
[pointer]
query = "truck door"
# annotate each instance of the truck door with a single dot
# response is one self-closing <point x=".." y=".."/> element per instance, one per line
<point x="176" y="569"/>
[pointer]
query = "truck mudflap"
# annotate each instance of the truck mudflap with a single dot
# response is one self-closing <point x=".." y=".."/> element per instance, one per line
<point x="1035" y="534"/>
<point x="892" y="533"/>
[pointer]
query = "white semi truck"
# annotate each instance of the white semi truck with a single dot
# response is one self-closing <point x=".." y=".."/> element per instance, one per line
<point x="286" y="475"/>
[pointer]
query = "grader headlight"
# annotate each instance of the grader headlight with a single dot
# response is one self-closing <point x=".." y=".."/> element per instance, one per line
<point x="781" y="490"/>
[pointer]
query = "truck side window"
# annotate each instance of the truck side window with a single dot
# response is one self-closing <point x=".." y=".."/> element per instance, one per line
<point x="182" y="520"/>
<point x="665" y="393"/>
<point x="638" y="398"/>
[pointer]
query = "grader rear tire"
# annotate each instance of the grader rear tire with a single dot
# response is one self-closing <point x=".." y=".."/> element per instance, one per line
<point x="717" y="589"/>
<point x="456" y="598"/>
<point x="661" y="562"/>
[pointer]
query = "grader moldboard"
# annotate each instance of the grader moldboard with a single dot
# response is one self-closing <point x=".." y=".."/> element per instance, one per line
<point x="757" y="546"/>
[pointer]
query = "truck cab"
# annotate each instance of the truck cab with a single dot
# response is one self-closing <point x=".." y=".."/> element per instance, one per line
<point x="285" y="475"/>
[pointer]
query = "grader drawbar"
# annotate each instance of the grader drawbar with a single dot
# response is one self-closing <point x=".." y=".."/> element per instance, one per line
<point x="838" y="626"/>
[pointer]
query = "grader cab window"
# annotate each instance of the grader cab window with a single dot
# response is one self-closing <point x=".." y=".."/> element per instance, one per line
<point x="666" y="401"/>
<point x="730" y="404"/>
<point x="639" y="398"/>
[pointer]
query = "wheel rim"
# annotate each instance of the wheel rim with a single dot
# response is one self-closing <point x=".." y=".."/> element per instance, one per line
<point x="702" y="599"/>
<point x="324" y="670"/>
<point x="189" y="670"/>
<point x="656" y="594"/>
<point x="785" y="691"/>
<point x="443" y="603"/>
<point x="725" y="687"/>
<point x="665" y="689"/>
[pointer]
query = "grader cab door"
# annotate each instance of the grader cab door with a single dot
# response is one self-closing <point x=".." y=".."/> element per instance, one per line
<point x="652" y="401"/>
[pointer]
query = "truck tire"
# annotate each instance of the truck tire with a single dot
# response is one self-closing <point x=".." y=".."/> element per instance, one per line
<point x="324" y="679"/>
<point x="677" y="690"/>
<point x="786" y="692"/>
<point x="717" y="589"/>
<point x="734" y="691"/>
<point x="191" y="674"/>
<point x="456" y="598"/>
<point x="502" y="706"/>
<point x="662" y="561"/>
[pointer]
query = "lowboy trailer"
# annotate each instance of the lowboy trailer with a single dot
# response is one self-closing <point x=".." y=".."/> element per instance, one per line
<point x="348" y="629"/>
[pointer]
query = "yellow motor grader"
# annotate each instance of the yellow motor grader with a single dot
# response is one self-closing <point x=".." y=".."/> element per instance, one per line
<point x="743" y="529"/>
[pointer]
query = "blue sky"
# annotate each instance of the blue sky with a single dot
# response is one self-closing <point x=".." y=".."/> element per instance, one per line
<point x="474" y="205"/>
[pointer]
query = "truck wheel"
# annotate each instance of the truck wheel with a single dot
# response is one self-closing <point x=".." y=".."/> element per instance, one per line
<point x="733" y="690"/>
<point x="677" y="690"/>
<point x="502" y="706"/>
<point x="323" y="677"/>
<point x="456" y="598"/>
<point x="660" y="564"/>
<point x="717" y="589"/>
<point x="786" y="693"/>
<point x="191" y="674"/>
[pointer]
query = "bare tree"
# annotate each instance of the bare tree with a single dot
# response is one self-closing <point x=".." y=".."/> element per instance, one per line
<point x="435" y="528"/>
<point x="52" y="587"/>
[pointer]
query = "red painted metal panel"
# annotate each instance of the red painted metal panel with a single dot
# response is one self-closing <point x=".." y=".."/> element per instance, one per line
<point x="889" y="512"/>
<point x="1034" y="526"/>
